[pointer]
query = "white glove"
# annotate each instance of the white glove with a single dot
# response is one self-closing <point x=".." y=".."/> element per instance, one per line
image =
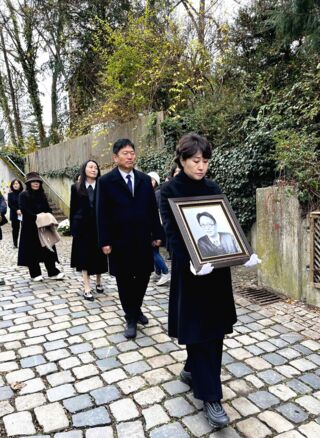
<point x="205" y="269"/>
<point x="253" y="261"/>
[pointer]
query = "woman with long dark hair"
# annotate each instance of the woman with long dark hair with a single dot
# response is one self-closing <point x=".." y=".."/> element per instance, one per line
<point x="86" y="256"/>
<point x="16" y="188"/>
<point x="33" y="201"/>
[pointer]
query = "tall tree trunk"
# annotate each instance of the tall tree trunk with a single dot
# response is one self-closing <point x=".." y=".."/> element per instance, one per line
<point x="27" y="60"/>
<point x="54" y="134"/>
<point x="202" y="22"/>
<point x="6" y="110"/>
<point x="14" y="102"/>
<point x="57" y="70"/>
<point x="36" y="104"/>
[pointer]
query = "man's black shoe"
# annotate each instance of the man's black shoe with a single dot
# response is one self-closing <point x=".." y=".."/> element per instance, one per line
<point x="215" y="414"/>
<point x="186" y="377"/>
<point x="142" y="319"/>
<point x="131" y="330"/>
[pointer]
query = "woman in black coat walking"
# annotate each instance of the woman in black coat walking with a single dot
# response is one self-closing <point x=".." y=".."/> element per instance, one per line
<point x="16" y="188"/>
<point x="3" y="210"/>
<point x="201" y="306"/>
<point x="33" y="201"/>
<point x="86" y="256"/>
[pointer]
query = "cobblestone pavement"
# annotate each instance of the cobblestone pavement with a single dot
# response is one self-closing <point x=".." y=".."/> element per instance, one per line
<point x="68" y="372"/>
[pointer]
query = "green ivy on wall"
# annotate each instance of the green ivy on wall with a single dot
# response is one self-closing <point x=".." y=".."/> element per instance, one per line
<point x="15" y="157"/>
<point x="67" y="172"/>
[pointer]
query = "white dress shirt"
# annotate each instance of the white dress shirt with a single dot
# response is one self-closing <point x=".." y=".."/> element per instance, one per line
<point x="93" y="184"/>
<point x="124" y="176"/>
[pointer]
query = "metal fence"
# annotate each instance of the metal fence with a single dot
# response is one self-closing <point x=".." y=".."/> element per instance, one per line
<point x="315" y="248"/>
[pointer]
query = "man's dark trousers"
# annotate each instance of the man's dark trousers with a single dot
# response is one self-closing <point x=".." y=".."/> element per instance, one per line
<point x="128" y="224"/>
<point x="15" y="231"/>
<point x="204" y="363"/>
<point x="131" y="288"/>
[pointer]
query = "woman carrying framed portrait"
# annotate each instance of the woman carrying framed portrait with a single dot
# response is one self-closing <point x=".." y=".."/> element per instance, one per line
<point x="201" y="304"/>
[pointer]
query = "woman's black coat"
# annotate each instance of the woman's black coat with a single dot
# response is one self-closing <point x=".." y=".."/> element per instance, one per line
<point x="30" y="250"/>
<point x="13" y="202"/>
<point x="85" y="253"/>
<point x="201" y="308"/>
<point x="3" y="210"/>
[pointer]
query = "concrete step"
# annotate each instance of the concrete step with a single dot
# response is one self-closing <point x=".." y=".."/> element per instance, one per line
<point x="57" y="212"/>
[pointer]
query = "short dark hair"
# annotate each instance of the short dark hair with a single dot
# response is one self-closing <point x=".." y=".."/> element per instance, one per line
<point x="13" y="181"/>
<point x="120" y="144"/>
<point x="189" y="145"/>
<point x="206" y="214"/>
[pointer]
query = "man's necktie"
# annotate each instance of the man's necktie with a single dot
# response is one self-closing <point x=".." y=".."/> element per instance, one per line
<point x="90" y="195"/>
<point x="130" y="183"/>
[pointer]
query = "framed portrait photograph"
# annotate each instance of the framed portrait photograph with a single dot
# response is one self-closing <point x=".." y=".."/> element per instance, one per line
<point x="211" y="231"/>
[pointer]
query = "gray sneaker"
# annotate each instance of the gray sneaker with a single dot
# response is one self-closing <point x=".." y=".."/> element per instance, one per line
<point x="216" y="415"/>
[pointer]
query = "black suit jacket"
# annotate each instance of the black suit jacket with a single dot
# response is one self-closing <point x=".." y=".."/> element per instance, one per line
<point x="228" y="245"/>
<point x="13" y="202"/>
<point x="127" y="223"/>
<point x="82" y="216"/>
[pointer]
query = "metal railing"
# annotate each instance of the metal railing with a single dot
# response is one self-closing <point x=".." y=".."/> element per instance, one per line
<point x="14" y="164"/>
<point x="42" y="179"/>
<point x="315" y="248"/>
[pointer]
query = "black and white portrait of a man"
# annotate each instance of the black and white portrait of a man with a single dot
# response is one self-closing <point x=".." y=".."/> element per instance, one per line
<point x="214" y="242"/>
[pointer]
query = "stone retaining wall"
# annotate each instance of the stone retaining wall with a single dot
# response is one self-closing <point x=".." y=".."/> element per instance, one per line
<point x="283" y="242"/>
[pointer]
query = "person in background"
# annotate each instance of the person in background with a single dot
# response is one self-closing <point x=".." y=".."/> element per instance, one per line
<point x="160" y="267"/>
<point x="128" y="228"/>
<point x="33" y="201"/>
<point x="3" y="210"/>
<point x="16" y="188"/>
<point x="86" y="256"/>
<point x="175" y="169"/>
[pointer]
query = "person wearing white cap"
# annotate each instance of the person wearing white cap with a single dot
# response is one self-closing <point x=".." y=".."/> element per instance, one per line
<point x="160" y="266"/>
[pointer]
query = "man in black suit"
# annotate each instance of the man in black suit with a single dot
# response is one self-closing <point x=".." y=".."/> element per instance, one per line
<point x="128" y="228"/>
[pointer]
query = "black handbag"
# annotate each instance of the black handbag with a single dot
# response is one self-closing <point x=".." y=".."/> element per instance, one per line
<point x="4" y="220"/>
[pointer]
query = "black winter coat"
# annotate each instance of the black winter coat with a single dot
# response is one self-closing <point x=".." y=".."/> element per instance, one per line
<point x="85" y="253"/>
<point x="201" y="308"/>
<point x="13" y="203"/>
<point x="127" y="223"/>
<point x="3" y="210"/>
<point x="30" y="250"/>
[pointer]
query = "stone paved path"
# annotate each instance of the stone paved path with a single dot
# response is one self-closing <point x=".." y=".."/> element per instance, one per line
<point x="67" y="371"/>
